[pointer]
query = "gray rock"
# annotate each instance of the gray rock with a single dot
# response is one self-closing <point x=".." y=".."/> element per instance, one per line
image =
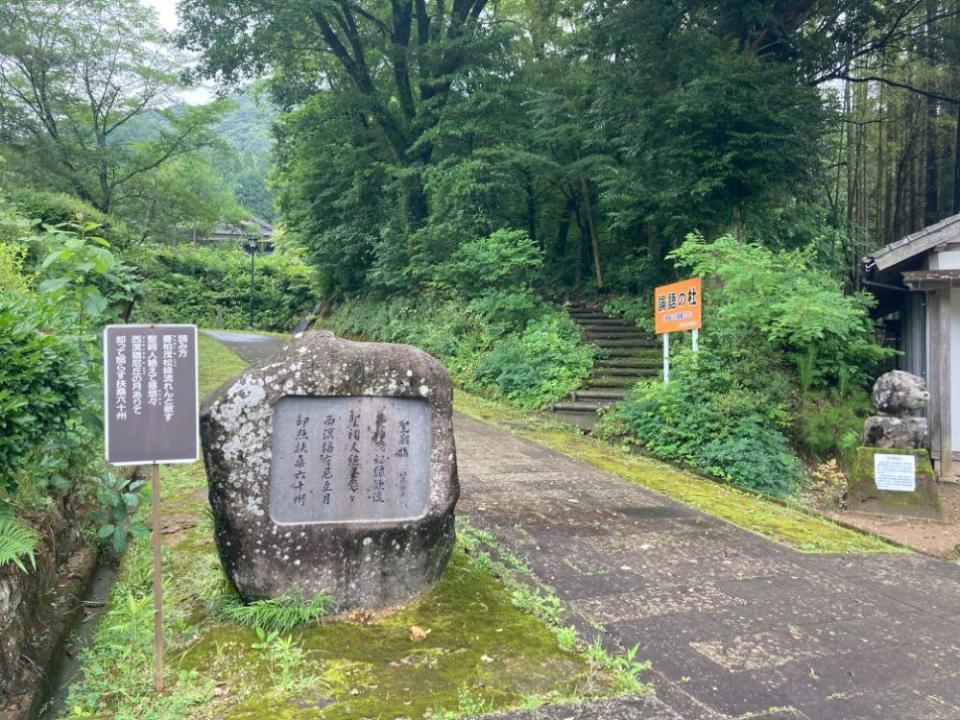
<point x="899" y="393"/>
<point x="885" y="431"/>
<point x="332" y="468"/>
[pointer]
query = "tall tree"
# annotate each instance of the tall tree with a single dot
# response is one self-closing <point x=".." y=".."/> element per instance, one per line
<point x="399" y="59"/>
<point x="74" y="75"/>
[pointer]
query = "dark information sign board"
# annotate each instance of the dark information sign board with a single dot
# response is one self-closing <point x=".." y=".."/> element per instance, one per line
<point x="349" y="459"/>
<point x="151" y="413"/>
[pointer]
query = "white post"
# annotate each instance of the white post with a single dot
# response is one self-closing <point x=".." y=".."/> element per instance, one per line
<point x="666" y="357"/>
<point x="696" y="340"/>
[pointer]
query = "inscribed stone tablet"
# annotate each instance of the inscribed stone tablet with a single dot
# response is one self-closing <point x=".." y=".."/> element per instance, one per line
<point x="349" y="459"/>
<point x="895" y="472"/>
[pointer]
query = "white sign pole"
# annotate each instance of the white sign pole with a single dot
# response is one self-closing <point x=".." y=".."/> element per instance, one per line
<point x="695" y="340"/>
<point x="666" y="357"/>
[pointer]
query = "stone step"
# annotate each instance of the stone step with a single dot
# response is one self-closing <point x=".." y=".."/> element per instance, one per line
<point x="637" y="372"/>
<point x="578" y="407"/>
<point x="604" y="322"/>
<point x="630" y="352"/>
<point x="603" y="394"/>
<point x="631" y="342"/>
<point x="617" y="366"/>
<point x="606" y="382"/>
<point x="617" y="334"/>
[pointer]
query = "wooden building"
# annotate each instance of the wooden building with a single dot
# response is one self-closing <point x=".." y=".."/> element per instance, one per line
<point x="916" y="281"/>
<point x="240" y="233"/>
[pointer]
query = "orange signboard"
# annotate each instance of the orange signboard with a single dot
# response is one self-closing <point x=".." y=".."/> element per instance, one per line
<point x="677" y="306"/>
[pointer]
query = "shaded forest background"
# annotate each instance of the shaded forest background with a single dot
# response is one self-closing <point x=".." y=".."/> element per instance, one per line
<point x="442" y="172"/>
<point x="605" y="130"/>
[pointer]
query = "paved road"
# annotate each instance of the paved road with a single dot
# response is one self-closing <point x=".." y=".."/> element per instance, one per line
<point x="251" y="347"/>
<point x="736" y="626"/>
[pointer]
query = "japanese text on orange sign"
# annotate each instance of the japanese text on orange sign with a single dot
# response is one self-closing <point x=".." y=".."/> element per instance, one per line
<point x="677" y="306"/>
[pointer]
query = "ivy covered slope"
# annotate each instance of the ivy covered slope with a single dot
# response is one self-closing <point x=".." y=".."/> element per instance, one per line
<point x="469" y="644"/>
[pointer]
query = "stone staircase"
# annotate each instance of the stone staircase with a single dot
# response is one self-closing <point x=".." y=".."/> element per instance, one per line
<point x="628" y="355"/>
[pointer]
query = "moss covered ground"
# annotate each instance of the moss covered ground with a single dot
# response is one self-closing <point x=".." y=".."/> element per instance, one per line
<point x="782" y="522"/>
<point x="463" y="647"/>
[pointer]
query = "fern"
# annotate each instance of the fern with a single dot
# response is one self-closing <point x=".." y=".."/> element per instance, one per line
<point x="17" y="541"/>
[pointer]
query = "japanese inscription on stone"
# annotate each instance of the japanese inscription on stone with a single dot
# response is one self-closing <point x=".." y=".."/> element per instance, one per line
<point x="150" y="393"/>
<point x="895" y="472"/>
<point x="342" y="459"/>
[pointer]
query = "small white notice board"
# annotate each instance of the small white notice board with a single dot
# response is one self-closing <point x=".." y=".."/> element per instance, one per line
<point x="895" y="472"/>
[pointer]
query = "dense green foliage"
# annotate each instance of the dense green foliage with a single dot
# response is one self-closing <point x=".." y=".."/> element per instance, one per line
<point x="723" y="412"/>
<point x="42" y="379"/>
<point x="782" y="306"/>
<point x="58" y="285"/>
<point x="606" y="130"/>
<point x="186" y="283"/>
<point x="483" y="319"/>
<point x="534" y="362"/>
<point x="784" y="355"/>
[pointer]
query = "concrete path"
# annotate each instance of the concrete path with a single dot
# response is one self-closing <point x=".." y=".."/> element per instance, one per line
<point x="252" y="347"/>
<point x="736" y="626"/>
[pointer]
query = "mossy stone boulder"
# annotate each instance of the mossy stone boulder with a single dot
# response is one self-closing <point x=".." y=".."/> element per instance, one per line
<point x="332" y="468"/>
<point x="863" y="495"/>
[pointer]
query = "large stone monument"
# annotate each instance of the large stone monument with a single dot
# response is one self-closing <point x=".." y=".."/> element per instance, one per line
<point x="332" y="468"/>
<point x="893" y="474"/>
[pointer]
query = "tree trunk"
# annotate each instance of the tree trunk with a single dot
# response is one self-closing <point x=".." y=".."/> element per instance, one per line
<point x="588" y="208"/>
<point x="531" y="209"/>
<point x="931" y="177"/>
<point x="563" y="227"/>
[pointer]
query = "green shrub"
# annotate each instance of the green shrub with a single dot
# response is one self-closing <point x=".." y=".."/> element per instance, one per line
<point x="42" y="379"/>
<point x="56" y="208"/>
<point x="825" y="418"/>
<point x="187" y="283"/>
<point x="537" y="366"/>
<point x="639" y="309"/>
<point x="781" y="303"/>
<point x="725" y="419"/>
<point x="532" y="365"/>
<point x="504" y="260"/>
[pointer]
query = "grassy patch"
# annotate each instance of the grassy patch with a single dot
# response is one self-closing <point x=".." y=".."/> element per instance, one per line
<point x="469" y="644"/>
<point x="784" y="523"/>
<point x="218" y="363"/>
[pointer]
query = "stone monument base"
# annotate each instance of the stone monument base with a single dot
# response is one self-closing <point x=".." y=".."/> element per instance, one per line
<point x="864" y="496"/>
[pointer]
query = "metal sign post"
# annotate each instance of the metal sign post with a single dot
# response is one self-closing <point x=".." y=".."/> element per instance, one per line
<point x="157" y="578"/>
<point x="676" y="308"/>
<point x="666" y="357"/>
<point x="151" y="416"/>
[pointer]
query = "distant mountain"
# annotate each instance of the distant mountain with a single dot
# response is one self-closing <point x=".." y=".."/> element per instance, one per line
<point x="247" y="127"/>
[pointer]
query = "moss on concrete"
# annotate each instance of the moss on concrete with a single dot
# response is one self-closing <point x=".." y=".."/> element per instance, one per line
<point x="783" y="522"/>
